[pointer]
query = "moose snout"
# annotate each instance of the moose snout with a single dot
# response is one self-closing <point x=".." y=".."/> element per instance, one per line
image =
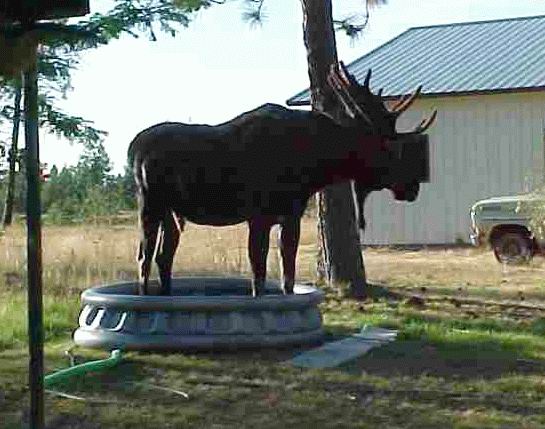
<point x="405" y="192"/>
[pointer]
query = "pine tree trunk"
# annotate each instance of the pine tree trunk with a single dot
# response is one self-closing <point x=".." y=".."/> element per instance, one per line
<point x="340" y="257"/>
<point x="12" y="158"/>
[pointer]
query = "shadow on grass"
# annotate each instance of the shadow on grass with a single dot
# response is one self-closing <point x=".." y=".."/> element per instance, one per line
<point x="457" y="359"/>
<point x="381" y="291"/>
<point x="451" y="344"/>
<point x="420" y="357"/>
<point x="441" y="359"/>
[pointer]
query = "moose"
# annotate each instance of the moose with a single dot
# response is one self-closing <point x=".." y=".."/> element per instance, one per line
<point x="262" y="168"/>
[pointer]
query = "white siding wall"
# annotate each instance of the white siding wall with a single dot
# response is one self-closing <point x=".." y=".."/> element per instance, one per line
<point x="480" y="146"/>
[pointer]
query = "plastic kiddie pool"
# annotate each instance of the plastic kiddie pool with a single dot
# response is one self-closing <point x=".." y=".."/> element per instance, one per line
<point x="204" y="313"/>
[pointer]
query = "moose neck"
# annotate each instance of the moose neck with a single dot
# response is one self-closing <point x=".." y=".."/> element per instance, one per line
<point x="347" y="152"/>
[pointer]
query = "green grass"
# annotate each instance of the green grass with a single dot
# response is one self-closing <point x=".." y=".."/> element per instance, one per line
<point x="479" y="364"/>
<point x="446" y="370"/>
<point x="60" y="312"/>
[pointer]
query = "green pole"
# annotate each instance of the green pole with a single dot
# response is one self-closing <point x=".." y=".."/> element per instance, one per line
<point x="34" y="249"/>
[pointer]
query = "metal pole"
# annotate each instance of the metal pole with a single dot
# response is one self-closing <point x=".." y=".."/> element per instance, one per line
<point x="34" y="250"/>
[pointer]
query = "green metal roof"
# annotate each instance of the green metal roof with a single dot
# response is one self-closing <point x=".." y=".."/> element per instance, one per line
<point x="474" y="57"/>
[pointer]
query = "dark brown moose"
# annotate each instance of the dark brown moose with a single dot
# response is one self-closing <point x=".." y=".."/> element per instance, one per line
<point x="263" y="166"/>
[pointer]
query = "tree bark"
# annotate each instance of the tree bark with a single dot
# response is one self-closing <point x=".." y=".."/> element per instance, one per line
<point x="12" y="157"/>
<point x="340" y="259"/>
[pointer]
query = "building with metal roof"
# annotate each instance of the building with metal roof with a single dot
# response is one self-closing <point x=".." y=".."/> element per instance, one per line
<point x="487" y="80"/>
<point x="466" y="58"/>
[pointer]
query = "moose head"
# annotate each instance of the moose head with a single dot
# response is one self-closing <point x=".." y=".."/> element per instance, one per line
<point x="368" y="111"/>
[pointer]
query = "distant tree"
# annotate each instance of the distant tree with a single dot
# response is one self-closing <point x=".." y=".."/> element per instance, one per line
<point x="54" y="67"/>
<point x="127" y="187"/>
<point x="60" y="196"/>
<point x="86" y="190"/>
<point x="12" y="157"/>
<point x="94" y="164"/>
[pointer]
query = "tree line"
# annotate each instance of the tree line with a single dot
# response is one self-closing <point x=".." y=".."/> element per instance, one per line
<point x="87" y="191"/>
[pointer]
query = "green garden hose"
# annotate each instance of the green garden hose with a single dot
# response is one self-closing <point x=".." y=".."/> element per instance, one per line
<point x="96" y="365"/>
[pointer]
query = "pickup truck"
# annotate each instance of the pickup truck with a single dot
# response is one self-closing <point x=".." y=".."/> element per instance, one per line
<point x="504" y="223"/>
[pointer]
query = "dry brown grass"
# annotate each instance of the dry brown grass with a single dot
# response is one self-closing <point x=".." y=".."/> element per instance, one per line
<point x="466" y="271"/>
<point x="78" y="256"/>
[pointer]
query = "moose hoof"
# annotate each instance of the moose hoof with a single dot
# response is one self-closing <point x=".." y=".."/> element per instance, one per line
<point x="287" y="288"/>
<point x="258" y="288"/>
<point x="141" y="290"/>
<point x="257" y="292"/>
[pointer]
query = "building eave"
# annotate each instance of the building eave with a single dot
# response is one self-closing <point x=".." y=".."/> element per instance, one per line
<point x="448" y="94"/>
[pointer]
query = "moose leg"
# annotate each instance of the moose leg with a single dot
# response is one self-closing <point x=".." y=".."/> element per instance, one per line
<point x="258" y="248"/>
<point x="288" y="242"/>
<point x="169" y="239"/>
<point x="149" y="225"/>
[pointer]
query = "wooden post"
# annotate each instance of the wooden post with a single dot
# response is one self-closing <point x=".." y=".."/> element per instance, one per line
<point x="34" y="249"/>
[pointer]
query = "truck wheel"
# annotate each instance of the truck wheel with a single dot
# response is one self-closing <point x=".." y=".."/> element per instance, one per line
<point x="513" y="248"/>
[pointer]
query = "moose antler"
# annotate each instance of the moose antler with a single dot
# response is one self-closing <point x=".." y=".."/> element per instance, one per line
<point x="360" y="102"/>
<point x="405" y="102"/>
<point x="341" y="85"/>
<point x="337" y="88"/>
<point x="426" y="123"/>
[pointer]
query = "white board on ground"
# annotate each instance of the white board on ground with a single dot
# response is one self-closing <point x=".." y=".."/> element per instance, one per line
<point x="336" y="353"/>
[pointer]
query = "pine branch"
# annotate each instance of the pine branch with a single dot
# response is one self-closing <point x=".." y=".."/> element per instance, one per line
<point x="60" y="44"/>
<point x="73" y="128"/>
<point x="254" y="13"/>
<point x="131" y="17"/>
<point x="354" y="25"/>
